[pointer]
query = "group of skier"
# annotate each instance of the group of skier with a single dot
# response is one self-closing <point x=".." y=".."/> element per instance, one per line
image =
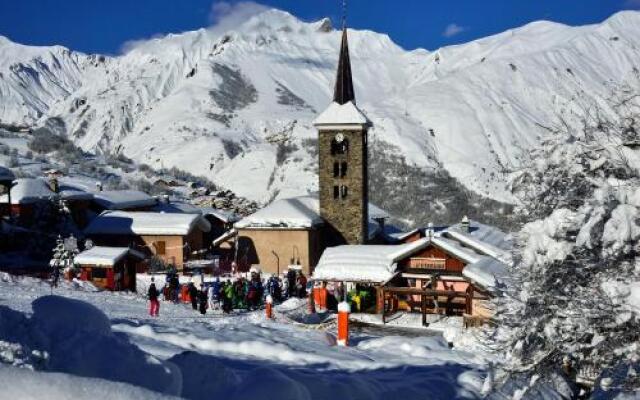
<point x="239" y="293"/>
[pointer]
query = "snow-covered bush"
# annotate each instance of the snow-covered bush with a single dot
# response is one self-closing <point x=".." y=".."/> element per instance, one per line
<point x="574" y="307"/>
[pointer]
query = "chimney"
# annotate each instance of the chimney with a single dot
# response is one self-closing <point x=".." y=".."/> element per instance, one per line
<point x="99" y="186"/>
<point x="465" y="225"/>
<point x="430" y="231"/>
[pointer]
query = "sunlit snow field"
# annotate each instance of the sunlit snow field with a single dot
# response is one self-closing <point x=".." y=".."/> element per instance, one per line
<point x="185" y="354"/>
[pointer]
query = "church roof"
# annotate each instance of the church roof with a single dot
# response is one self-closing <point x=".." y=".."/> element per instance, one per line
<point x="343" y="91"/>
<point x="301" y="212"/>
<point x="342" y="114"/>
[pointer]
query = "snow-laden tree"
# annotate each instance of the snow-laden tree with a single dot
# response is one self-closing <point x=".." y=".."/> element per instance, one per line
<point x="573" y="308"/>
<point x="63" y="257"/>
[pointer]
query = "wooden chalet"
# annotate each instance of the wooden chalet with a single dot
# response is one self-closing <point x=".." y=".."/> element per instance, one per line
<point x="452" y="272"/>
<point x="109" y="268"/>
<point x="172" y="237"/>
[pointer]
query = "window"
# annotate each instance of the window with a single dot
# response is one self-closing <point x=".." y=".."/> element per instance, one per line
<point x="339" y="147"/>
<point x="343" y="169"/>
<point x="336" y="192"/>
<point x="161" y="248"/>
<point x="343" y="191"/>
<point x="98" y="273"/>
<point x="336" y="170"/>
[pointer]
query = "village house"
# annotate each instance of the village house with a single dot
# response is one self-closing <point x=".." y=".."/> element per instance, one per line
<point x="173" y="238"/>
<point x="110" y="268"/>
<point x="24" y="198"/>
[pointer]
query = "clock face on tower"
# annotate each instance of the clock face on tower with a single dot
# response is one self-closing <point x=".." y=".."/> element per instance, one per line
<point x="339" y="138"/>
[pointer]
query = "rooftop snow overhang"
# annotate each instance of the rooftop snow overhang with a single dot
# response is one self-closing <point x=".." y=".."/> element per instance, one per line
<point x="346" y="115"/>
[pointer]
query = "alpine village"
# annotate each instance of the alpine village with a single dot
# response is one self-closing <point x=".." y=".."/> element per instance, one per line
<point x="180" y="287"/>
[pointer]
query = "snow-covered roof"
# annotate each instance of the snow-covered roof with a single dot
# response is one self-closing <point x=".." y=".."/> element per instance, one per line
<point x="376" y="212"/>
<point x="6" y="174"/>
<point x="180" y="207"/>
<point x="104" y="256"/>
<point x="455" y="249"/>
<point x="487" y="234"/>
<point x="123" y="199"/>
<point x="345" y="114"/>
<point x="479" y="245"/>
<point x="176" y="207"/>
<point x="488" y="273"/>
<point x="71" y="194"/>
<point x="224" y="237"/>
<point x="364" y="263"/>
<point x="402" y="235"/>
<point x="29" y="190"/>
<point x="296" y="212"/>
<point x="223" y="215"/>
<point x="146" y="223"/>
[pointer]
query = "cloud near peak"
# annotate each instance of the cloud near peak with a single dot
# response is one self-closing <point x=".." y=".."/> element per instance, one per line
<point x="226" y="15"/>
<point x="452" y="30"/>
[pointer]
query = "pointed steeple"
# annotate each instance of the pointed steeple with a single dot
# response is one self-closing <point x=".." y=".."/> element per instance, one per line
<point x="343" y="92"/>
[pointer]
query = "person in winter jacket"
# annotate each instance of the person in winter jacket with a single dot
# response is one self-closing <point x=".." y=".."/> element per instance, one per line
<point x="301" y="285"/>
<point x="285" y="288"/>
<point x="227" y="299"/>
<point x="291" y="282"/>
<point x="212" y="297"/>
<point x="202" y="300"/>
<point x="193" y="294"/>
<point x="174" y="286"/>
<point x="154" y="304"/>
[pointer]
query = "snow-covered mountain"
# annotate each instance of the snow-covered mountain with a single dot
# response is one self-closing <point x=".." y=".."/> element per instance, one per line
<point x="237" y="107"/>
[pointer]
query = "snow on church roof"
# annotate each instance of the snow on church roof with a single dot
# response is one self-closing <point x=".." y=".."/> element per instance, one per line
<point x="301" y="212"/>
<point x="345" y="114"/>
<point x="146" y="223"/>
<point x="295" y="212"/>
<point x="104" y="256"/>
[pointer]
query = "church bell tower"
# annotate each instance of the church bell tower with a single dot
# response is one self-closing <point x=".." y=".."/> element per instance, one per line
<point x="342" y="150"/>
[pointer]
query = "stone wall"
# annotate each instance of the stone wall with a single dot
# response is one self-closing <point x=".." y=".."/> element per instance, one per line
<point x="256" y="246"/>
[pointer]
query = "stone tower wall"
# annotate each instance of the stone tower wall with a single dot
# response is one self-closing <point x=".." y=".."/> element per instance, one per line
<point x="346" y="218"/>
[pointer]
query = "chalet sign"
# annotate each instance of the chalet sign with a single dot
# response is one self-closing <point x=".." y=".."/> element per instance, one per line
<point x="427" y="263"/>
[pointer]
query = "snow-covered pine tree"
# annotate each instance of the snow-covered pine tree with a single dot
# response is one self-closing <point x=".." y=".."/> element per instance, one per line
<point x="574" y="303"/>
<point x="63" y="256"/>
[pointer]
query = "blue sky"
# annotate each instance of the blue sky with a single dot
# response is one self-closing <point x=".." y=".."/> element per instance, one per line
<point x="103" y="26"/>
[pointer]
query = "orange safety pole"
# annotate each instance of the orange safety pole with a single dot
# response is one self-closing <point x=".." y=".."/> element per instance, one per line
<point x="269" y="307"/>
<point x="344" y="309"/>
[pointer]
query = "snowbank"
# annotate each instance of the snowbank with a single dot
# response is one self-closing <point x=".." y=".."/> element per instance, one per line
<point x="20" y="383"/>
<point x="77" y="339"/>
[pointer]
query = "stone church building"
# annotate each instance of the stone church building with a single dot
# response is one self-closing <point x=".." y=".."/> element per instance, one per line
<point x="297" y="230"/>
